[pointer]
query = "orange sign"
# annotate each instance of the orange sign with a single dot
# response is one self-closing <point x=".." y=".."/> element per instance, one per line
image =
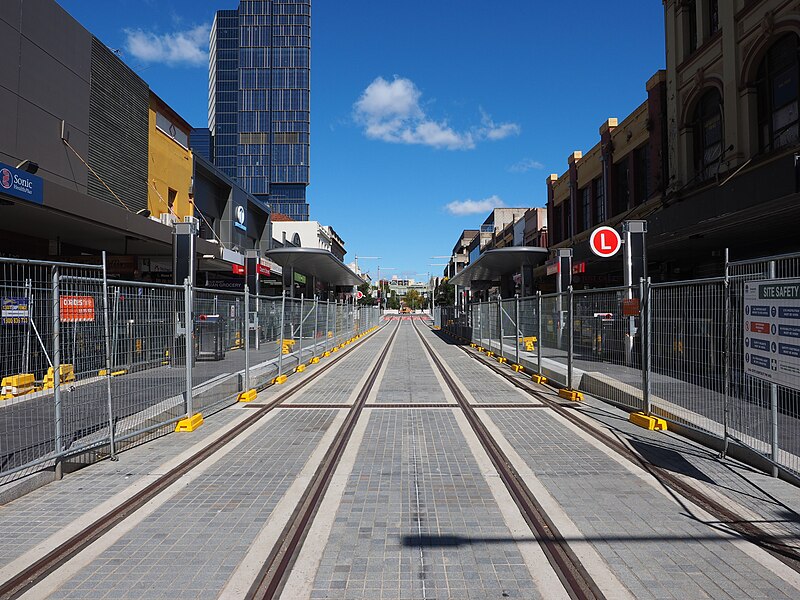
<point x="77" y="309"/>
<point x="630" y="308"/>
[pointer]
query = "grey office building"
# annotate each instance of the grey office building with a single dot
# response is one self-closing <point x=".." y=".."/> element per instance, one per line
<point x="258" y="107"/>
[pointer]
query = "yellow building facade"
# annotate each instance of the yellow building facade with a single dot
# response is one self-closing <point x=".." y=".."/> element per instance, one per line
<point x="170" y="168"/>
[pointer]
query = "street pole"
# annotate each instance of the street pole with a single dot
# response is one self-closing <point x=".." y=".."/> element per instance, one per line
<point x="283" y="323"/>
<point x="246" y="337"/>
<point x="188" y="345"/>
<point x="516" y="327"/>
<point x="107" y="335"/>
<point x="59" y="423"/>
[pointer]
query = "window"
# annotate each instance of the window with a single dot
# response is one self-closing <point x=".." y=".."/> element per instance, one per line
<point x="690" y="20"/>
<point x="641" y="159"/>
<point x="586" y="203"/>
<point x="621" y="197"/>
<point x="707" y="132"/>
<point x="713" y="17"/>
<point x="599" y="200"/>
<point x="171" y="196"/>
<point x="778" y="82"/>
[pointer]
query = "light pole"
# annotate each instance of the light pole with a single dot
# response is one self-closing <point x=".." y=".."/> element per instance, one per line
<point x="428" y="281"/>
<point x="380" y="287"/>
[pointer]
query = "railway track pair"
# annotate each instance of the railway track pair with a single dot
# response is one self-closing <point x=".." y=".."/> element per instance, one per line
<point x="274" y="572"/>
<point x="725" y="516"/>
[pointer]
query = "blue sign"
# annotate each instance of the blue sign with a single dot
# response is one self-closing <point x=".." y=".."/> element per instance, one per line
<point x="20" y="184"/>
<point x="15" y="311"/>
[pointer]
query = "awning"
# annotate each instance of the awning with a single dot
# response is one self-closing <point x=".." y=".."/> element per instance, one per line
<point x="494" y="264"/>
<point x="317" y="263"/>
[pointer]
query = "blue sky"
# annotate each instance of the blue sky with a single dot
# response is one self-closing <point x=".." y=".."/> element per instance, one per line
<point x="424" y="110"/>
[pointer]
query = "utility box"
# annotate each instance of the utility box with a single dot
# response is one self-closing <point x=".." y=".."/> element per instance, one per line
<point x="209" y="337"/>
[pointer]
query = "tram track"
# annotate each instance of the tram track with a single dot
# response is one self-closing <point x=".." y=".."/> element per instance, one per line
<point x="571" y="572"/>
<point x="737" y="523"/>
<point x="272" y="576"/>
<point x="38" y="570"/>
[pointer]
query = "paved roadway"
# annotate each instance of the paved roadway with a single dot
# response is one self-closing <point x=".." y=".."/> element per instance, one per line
<point x="415" y="508"/>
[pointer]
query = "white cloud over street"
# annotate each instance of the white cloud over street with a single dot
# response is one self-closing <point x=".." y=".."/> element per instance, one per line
<point x="391" y="111"/>
<point x="462" y="208"/>
<point x="178" y="48"/>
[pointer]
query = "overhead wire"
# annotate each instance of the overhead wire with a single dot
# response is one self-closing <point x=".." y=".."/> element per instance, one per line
<point x="93" y="172"/>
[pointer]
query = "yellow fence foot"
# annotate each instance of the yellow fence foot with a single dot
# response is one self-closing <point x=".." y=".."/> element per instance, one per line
<point x="190" y="424"/>
<point x="280" y="379"/>
<point x="648" y="421"/>
<point x="248" y="396"/>
<point x="299" y="368"/>
<point x="572" y="395"/>
<point x="539" y="378"/>
<point x="518" y="368"/>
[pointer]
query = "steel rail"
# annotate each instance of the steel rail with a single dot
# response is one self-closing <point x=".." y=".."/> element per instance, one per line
<point x="573" y="575"/>
<point x="272" y="576"/>
<point x="63" y="553"/>
<point x="725" y="516"/>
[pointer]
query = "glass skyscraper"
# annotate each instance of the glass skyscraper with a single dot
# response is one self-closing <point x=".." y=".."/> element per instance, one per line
<point x="258" y="99"/>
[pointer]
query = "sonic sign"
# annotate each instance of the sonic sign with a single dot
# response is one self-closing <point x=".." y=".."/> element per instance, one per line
<point x="20" y="184"/>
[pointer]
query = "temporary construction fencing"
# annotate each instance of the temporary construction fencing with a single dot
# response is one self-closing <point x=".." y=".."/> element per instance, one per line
<point x="91" y="364"/>
<point x="686" y="351"/>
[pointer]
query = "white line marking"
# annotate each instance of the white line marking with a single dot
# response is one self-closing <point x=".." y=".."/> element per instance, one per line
<point x="247" y="571"/>
<point x="544" y="577"/>
<point x="57" y="578"/>
<point x="300" y="582"/>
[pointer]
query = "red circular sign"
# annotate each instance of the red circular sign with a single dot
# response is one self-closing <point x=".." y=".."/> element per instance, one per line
<point x="359" y="294"/>
<point x="605" y="242"/>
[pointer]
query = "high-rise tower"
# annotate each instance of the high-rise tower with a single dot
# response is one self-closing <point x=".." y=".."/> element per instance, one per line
<point x="258" y="99"/>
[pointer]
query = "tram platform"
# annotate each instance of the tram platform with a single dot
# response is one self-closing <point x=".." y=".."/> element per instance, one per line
<point x="408" y="468"/>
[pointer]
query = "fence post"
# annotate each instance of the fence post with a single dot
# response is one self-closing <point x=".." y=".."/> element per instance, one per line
<point x="570" y="356"/>
<point x="773" y="398"/>
<point x="246" y="337"/>
<point x="500" y="324"/>
<point x="516" y="328"/>
<point x="107" y="336"/>
<point x="316" y="322"/>
<point x="726" y="342"/>
<point x="480" y="321"/>
<point x="187" y="309"/>
<point x="302" y="322"/>
<point x="59" y="423"/>
<point x="327" y="324"/>
<point x="645" y="319"/>
<point x="283" y="322"/>
<point x="539" y="331"/>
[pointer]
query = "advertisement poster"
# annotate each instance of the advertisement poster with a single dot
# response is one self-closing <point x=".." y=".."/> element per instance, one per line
<point x="15" y="311"/>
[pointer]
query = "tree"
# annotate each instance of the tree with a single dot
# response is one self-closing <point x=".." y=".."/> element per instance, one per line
<point x="413" y="299"/>
<point x="445" y="294"/>
<point x="393" y="303"/>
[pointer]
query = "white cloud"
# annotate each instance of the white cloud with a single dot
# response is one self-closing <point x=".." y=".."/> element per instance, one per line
<point x="497" y="131"/>
<point x="461" y="208"/>
<point x="526" y="164"/>
<point x="390" y="111"/>
<point x="189" y="47"/>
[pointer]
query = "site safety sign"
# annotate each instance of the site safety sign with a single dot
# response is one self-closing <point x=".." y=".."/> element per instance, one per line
<point x="772" y="331"/>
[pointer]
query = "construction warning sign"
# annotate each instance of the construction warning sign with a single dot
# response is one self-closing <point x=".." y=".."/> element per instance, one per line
<point x="77" y="309"/>
<point x="772" y="331"/>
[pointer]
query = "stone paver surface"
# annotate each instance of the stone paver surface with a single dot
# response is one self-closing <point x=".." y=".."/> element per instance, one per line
<point x="485" y="386"/>
<point x="189" y="547"/>
<point x="36" y="516"/>
<point x="409" y="377"/>
<point x="417" y="511"/>
<point x="656" y="549"/>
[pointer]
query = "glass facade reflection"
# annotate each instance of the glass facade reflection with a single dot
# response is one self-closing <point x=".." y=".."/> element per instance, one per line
<point x="259" y="99"/>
